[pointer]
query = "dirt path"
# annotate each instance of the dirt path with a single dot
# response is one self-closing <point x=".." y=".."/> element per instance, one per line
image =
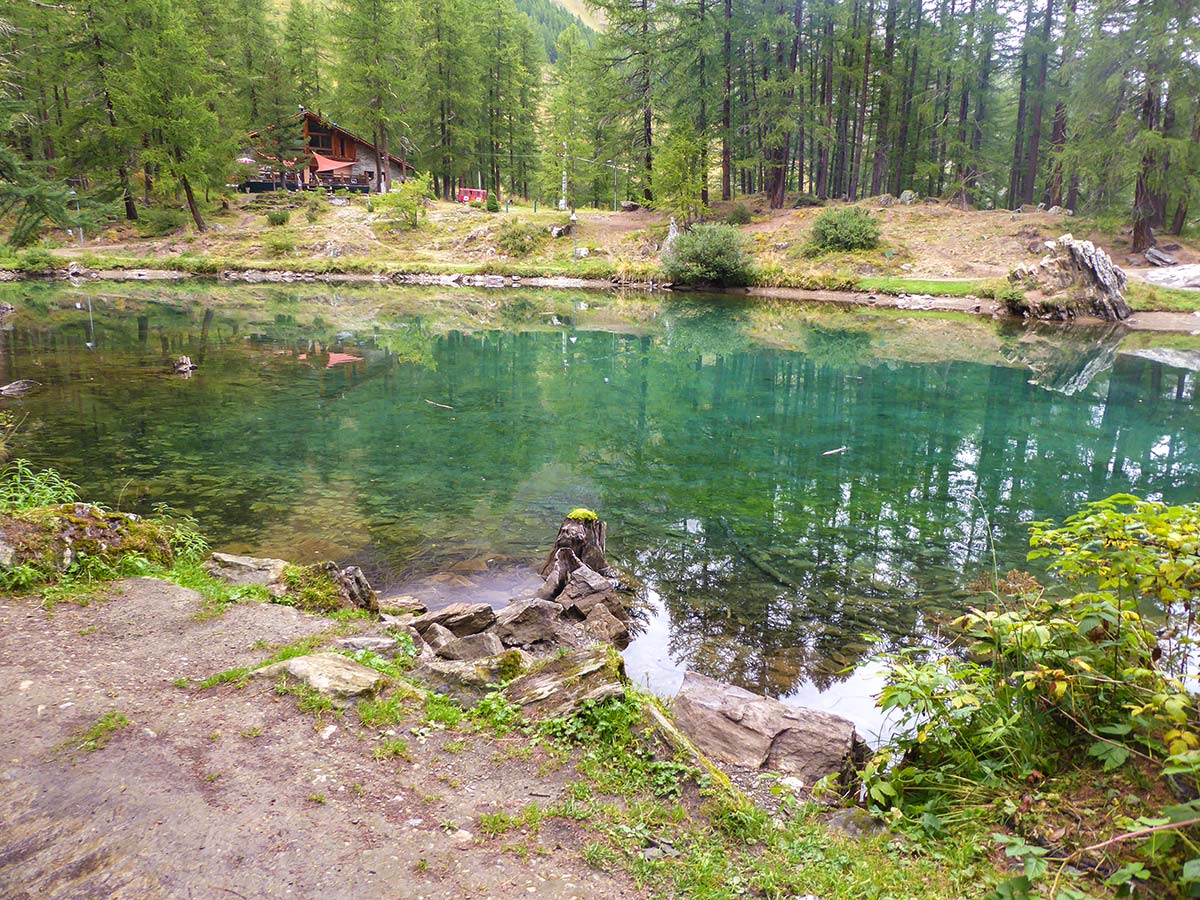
<point x="234" y="792"/>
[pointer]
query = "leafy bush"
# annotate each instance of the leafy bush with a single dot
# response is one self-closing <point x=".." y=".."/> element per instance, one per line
<point x="277" y="217"/>
<point x="1053" y="676"/>
<point x="739" y="215"/>
<point x="23" y="488"/>
<point x="515" y="239"/>
<point x="160" y="220"/>
<point x="37" y="260"/>
<point x="312" y="208"/>
<point x="493" y="204"/>
<point x="709" y="254"/>
<point x="848" y="228"/>
<point x="405" y="202"/>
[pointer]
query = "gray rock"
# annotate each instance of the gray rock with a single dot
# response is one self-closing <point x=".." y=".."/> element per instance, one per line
<point x="403" y="605"/>
<point x="8" y="553"/>
<point x="885" y="200"/>
<point x="855" y="822"/>
<point x="437" y="636"/>
<point x="381" y="645"/>
<point x="527" y="622"/>
<point x="468" y="681"/>
<point x="630" y="206"/>
<point x="460" y="618"/>
<point x="563" y="684"/>
<point x="473" y="646"/>
<point x="330" y="673"/>
<point x="264" y="572"/>
<point x="602" y="625"/>
<point x="744" y="729"/>
<point x="584" y="589"/>
<point x="1156" y="257"/>
<point x="908" y="198"/>
<point x="1075" y="276"/>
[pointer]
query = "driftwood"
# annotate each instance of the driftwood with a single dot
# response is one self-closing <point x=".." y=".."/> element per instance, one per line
<point x="19" y="388"/>
<point x="580" y="542"/>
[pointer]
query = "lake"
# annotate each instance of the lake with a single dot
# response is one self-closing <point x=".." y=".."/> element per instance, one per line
<point x="796" y="486"/>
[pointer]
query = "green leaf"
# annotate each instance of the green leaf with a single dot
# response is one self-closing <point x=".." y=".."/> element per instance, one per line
<point x="1112" y="755"/>
<point x="1191" y="871"/>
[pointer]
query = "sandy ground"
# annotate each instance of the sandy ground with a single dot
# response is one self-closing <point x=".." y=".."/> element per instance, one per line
<point x="234" y="792"/>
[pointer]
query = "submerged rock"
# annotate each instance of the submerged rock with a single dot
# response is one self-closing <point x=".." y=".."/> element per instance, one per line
<point x="459" y="618"/>
<point x="563" y="684"/>
<point x="329" y="673"/>
<point x="737" y="727"/>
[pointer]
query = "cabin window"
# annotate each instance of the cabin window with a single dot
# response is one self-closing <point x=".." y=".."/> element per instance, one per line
<point x="320" y="140"/>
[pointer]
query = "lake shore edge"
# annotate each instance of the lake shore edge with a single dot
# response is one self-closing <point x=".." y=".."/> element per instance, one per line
<point x="1141" y="320"/>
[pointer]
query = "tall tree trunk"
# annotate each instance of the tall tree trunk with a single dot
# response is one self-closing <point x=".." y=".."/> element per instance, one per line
<point x="1143" y="195"/>
<point x="1039" y="103"/>
<point x="827" y="105"/>
<point x="1015" y="175"/>
<point x="982" y="85"/>
<point x="726" y="121"/>
<point x="1181" y="209"/>
<point x="1058" y="136"/>
<point x="102" y="67"/>
<point x="860" y="133"/>
<point x="191" y="202"/>
<point x="703" y="113"/>
<point x="882" y="135"/>
<point x="906" y="105"/>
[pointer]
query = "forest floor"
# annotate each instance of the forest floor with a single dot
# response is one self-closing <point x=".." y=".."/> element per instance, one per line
<point x="926" y="249"/>
<point x="125" y="776"/>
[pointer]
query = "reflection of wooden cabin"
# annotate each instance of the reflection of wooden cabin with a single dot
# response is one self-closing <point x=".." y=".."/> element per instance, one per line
<point x="334" y="158"/>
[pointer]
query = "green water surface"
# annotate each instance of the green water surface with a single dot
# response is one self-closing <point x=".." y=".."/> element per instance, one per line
<point x="784" y="480"/>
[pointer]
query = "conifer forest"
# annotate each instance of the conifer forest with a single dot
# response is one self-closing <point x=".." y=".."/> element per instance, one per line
<point x="1091" y="105"/>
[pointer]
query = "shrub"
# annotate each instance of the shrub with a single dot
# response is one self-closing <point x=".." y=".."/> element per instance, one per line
<point x="515" y="239"/>
<point x="739" y="215"/>
<point x="312" y="208"/>
<point x="36" y="260"/>
<point x="277" y="217"/>
<point x="405" y="202"/>
<point x="709" y="254"/>
<point x="849" y="228"/>
<point x="493" y="204"/>
<point x="158" y="221"/>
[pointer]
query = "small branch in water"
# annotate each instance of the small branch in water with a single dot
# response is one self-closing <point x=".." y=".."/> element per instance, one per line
<point x="835" y="452"/>
<point x="439" y="405"/>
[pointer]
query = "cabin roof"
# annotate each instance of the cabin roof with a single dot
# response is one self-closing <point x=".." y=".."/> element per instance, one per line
<point x="332" y="126"/>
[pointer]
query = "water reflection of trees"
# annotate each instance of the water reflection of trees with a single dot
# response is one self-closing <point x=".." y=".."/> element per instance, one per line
<point x="704" y="451"/>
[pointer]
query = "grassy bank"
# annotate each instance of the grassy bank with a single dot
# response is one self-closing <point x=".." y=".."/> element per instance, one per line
<point x="931" y="250"/>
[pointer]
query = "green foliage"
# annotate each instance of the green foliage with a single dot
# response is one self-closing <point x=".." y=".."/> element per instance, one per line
<point x="97" y="736"/>
<point x="441" y="710"/>
<point x="407" y="201"/>
<point x="392" y="748"/>
<point x="1053" y="676"/>
<point x="277" y="245"/>
<point x="679" y="175"/>
<point x="37" y="261"/>
<point x="381" y="712"/>
<point x="492" y="204"/>
<point x="845" y="229"/>
<point x="278" y="217"/>
<point x="739" y="215"/>
<point x="497" y="713"/>
<point x="157" y="221"/>
<point x="582" y="514"/>
<point x="709" y="254"/>
<point x="22" y="488"/>
<point x="311" y="589"/>
<point x="308" y="699"/>
<point x="515" y="239"/>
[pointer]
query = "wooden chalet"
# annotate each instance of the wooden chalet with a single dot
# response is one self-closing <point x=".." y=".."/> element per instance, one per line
<point x="334" y="159"/>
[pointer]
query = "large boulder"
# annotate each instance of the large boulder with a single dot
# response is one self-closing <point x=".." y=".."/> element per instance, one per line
<point x="467" y="681"/>
<point x="604" y="626"/>
<point x="330" y="673"/>
<point x="249" y="570"/>
<point x="459" y="618"/>
<point x="436" y="637"/>
<point x="1073" y="278"/>
<point x="472" y="646"/>
<point x="734" y="726"/>
<point x="562" y="684"/>
<point x="528" y="622"/>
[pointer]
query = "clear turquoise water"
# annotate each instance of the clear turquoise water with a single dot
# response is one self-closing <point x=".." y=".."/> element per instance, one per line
<point x="700" y="429"/>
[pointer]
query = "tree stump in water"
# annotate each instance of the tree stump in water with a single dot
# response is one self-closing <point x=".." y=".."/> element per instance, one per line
<point x="580" y="542"/>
